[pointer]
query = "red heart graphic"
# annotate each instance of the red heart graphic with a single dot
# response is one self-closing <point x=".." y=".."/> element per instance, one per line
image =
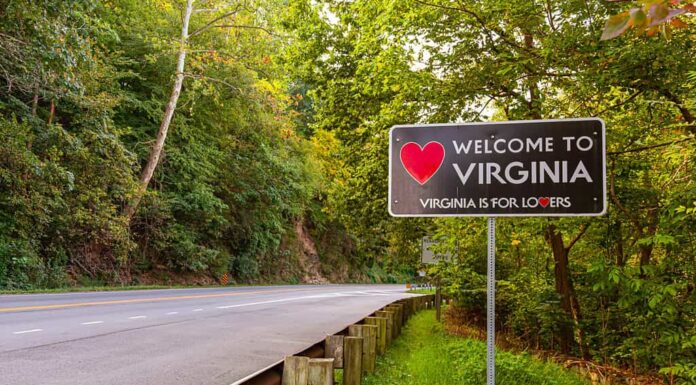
<point x="544" y="201"/>
<point x="422" y="162"/>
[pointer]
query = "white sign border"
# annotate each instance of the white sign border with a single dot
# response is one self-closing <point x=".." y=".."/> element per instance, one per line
<point x="604" y="169"/>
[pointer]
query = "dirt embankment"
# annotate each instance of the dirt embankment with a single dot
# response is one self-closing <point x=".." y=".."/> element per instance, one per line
<point x="308" y="256"/>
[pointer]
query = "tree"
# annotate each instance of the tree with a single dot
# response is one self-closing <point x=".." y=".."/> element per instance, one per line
<point x="158" y="146"/>
<point x="221" y="14"/>
<point x="650" y="17"/>
<point x="444" y="61"/>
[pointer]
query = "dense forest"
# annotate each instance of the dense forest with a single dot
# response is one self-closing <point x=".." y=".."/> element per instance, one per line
<point x="619" y="289"/>
<point x="177" y="141"/>
<point x="238" y="185"/>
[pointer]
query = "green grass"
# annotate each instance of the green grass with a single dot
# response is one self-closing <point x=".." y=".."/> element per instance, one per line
<point x="421" y="291"/>
<point x="70" y="289"/>
<point x="425" y="354"/>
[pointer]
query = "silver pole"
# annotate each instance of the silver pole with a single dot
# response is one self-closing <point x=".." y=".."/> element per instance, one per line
<point x="490" y="307"/>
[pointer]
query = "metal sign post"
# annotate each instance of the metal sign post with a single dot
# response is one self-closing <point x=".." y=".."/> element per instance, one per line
<point x="533" y="168"/>
<point x="490" y="305"/>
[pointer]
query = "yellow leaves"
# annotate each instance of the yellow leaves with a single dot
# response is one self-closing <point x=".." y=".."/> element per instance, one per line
<point x="654" y="16"/>
<point x="213" y="56"/>
<point x="287" y="133"/>
<point x="165" y="5"/>
<point x="638" y="18"/>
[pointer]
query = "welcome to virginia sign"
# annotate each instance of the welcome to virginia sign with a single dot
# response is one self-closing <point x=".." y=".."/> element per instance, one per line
<point x="514" y="168"/>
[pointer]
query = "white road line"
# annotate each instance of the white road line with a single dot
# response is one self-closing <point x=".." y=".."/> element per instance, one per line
<point x="280" y="300"/>
<point x="325" y="295"/>
<point x="173" y="312"/>
<point x="92" y="323"/>
<point x="137" y="317"/>
<point x="197" y="309"/>
<point x="28" y="331"/>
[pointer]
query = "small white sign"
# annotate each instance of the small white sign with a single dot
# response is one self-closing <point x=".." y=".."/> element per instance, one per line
<point x="428" y="256"/>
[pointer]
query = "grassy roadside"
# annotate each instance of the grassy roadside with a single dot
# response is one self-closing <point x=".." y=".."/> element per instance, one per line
<point x="78" y="289"/>
<point x="421" y="291"/>
<point x="425" y="355"/>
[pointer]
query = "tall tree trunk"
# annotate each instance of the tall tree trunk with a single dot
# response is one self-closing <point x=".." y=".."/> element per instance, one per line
<point x="35" y="100"/>
<point x="562" y="280"/>
<point x="646" y="250"/>
<point x="52" y="112"/>
<point x="565" y="289"/>
<point x="157" y="148"/>
<point x="620" y="255"/>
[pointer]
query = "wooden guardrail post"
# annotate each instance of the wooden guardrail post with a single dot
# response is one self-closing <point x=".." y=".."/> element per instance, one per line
<point x="369" y="336"/>
<point x="356" y="353"/>
<point x="333" y="348"/>
<point x="381" y="324"/>
<point x="405" y="307"/>
<point x="389" y="315"/>
<point x="295" y="370"/>
<point x="399" y="310"/>
<point x="320" y="371"/>
<point x="352" y="360"/>
<point x="395" y="324"/>
<point x="372" y="348"/>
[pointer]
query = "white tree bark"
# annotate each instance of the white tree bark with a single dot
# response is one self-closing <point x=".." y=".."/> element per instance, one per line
<point x="157" y="148"/>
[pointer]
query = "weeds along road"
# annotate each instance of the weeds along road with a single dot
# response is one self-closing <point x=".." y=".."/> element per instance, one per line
<point x="178" y="336"/>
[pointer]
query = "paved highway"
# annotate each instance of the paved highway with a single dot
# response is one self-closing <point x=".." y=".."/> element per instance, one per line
<point x="179" y="336"/>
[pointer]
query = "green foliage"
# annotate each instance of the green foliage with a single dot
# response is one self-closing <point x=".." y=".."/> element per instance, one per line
<point x="426" y="354"/>
<point x="283" y="119"/>
<point x="84" y="84"/>
<point x="377" y="274"/>
<point x="371" y="64"/>
<point x="652" y="16"/>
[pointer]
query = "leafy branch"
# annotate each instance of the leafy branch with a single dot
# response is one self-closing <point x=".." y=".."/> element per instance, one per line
<point x="649" y="18"/>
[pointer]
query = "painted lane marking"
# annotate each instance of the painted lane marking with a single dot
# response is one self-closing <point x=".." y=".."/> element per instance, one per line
<point x="256" y="303"/>
<point x="137" y="317"/>
<point x="173" y="312"/>
<point x="197" y="309"/>
<point x="138" y="300"/>
<point x="92" y="323"/>
<point x="28" y="331"/>
<point x="328" y="295"/>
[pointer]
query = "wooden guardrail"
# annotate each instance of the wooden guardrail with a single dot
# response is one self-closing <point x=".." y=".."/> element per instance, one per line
<point x="353" y="349"/>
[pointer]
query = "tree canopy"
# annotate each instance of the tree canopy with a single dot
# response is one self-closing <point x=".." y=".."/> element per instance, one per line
<point x="149" y="140"/>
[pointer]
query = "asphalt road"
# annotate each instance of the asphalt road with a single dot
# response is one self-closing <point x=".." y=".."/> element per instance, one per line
<point x="178" y="336"/>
